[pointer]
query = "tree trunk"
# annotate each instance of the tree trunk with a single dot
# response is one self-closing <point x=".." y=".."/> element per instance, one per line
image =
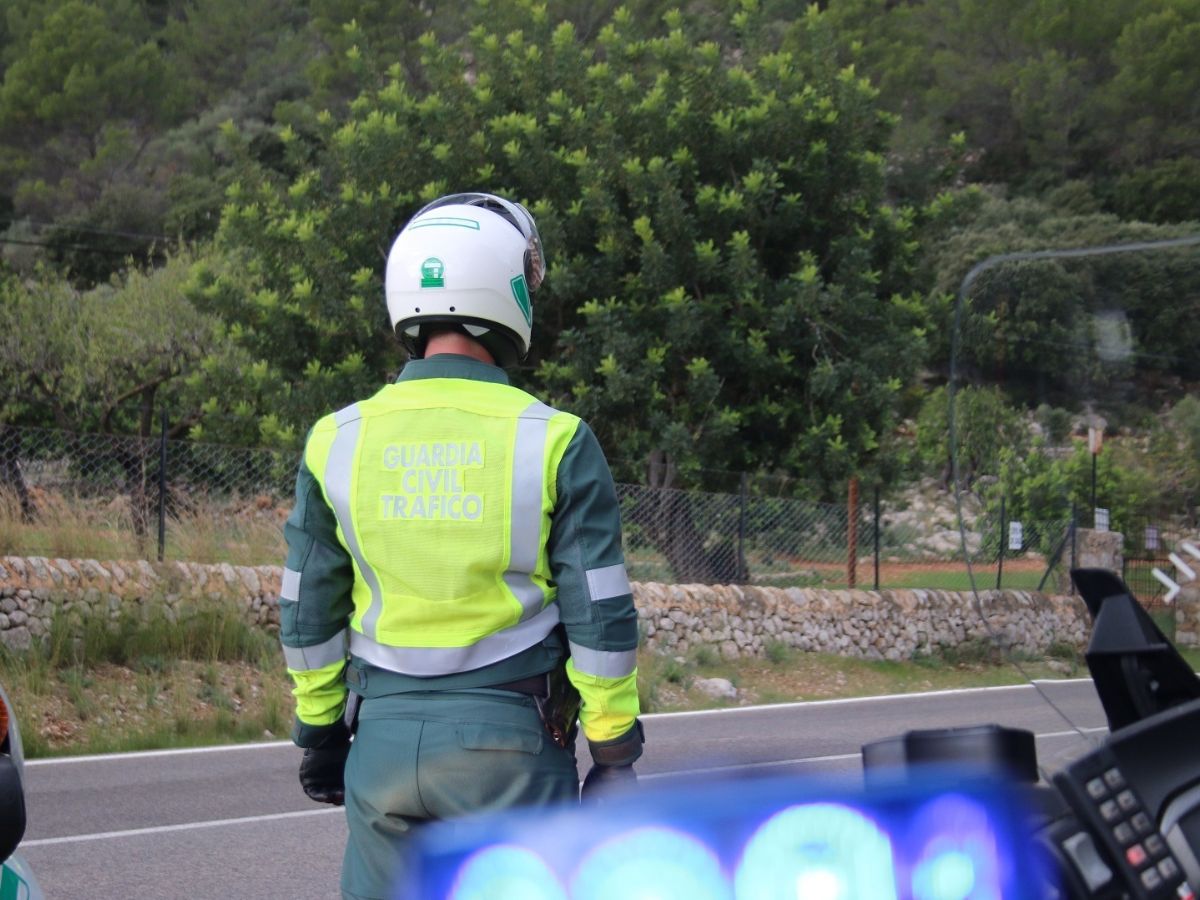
<point x="10" y="471"/>
<point x="665" y="515"/>
<point x="132" y="458"/>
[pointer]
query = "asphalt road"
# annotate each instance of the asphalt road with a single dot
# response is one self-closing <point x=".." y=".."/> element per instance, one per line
<point x="231" y="822"/>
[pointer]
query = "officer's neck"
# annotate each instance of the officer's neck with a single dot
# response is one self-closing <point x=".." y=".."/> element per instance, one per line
<point x="458" y="344"/>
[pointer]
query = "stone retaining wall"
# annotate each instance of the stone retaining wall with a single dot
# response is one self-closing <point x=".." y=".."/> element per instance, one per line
<point x="1187" y="615"/>
<point x="735" y="621"/>
<point x="35" y="589"/>
<point x="888" y="624"/>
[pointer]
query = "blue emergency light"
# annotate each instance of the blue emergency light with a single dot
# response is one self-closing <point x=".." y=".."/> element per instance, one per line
<point x="943" y="836"/>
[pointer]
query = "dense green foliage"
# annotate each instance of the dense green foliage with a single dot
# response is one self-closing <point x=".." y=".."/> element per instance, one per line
<point x="1045" y="90"/>
<point x="985" y="425"/>
<point x="757" y="216"/>
<point x="100" y="360"/>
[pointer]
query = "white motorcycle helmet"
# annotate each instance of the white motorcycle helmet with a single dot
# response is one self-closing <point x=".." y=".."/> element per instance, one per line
<point x="471" y="261"/>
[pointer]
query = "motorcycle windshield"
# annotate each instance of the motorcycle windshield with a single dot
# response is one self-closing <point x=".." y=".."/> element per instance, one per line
<point x="1070" y="401"/>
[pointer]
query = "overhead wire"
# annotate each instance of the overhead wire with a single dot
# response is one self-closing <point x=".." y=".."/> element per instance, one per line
<point x="137" y="235"/>
<point x="86" y="248"/>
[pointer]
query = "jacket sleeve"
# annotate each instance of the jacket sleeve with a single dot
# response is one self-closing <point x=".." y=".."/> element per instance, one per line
<point x="315" y="605"/>
<point x="596" y="601"/>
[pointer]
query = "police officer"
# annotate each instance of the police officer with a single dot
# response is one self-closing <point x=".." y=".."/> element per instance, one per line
<point x="454" y="540"/>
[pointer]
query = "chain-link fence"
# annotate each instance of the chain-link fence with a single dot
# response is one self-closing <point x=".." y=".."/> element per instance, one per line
<point x="120" y="497"/>
<point x="115" y="497"/>
<point x="742" y="538"/>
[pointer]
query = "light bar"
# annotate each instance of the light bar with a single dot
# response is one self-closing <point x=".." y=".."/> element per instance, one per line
<point x="941" y="836"/>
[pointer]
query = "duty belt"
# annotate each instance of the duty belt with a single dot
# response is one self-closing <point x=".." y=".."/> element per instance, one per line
<point x="557" y="703"/>
<point x="534" y="686"/>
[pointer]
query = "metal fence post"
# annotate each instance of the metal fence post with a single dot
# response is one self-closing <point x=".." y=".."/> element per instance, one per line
<point x="743" y="570"/>
<point x="877" y="528"/>
<point x="162" y="488"/>
<point x="852" y="534"/>
<point x="1000" y="553"/>
<point x="1074" y="548"/>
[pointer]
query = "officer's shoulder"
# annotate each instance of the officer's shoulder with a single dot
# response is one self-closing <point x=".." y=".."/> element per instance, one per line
<point x="540" y="409"/>
<point x="336" y="419"/>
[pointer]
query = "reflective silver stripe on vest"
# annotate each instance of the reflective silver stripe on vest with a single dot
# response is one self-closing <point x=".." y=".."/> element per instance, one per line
<point x="289" y="586"/>
<point x="603" y="663"/>
<point x="318" y="656"/>
<point x="428" y="661"/>
<point x="609" y="582"/>
<point x="525" y="521"/>
<point x="339" y="475"/>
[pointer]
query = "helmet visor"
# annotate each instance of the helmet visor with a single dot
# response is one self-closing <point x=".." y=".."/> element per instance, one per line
<point x="517" y="216"/>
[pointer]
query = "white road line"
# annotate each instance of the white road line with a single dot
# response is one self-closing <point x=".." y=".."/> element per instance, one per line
<point x="1069" y="733"/>
<point x="246" y="820"/>
<point x="150" y="754"/>
<point x="184" y="826"/>
<point x="840" y="757"/>
<point x="844" y="701"/>
<point x="880" y="698"/>
<point x="775" y="763"/>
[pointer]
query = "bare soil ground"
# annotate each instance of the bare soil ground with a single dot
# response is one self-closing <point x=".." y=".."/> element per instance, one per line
<point x="110" y="707"/>
<point x="181" y="703"/>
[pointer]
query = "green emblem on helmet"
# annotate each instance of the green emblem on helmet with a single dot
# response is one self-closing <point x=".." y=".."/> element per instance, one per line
<point x="521" y="294"/>
<point x="433" y="273"/>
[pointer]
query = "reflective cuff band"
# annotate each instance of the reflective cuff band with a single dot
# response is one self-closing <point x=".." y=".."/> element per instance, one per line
<point x="289" y="588"/>
<point x="609" y="582"/>
<point x="610" y="705"/>
<point x="316" y="656"/>
<point x="428" y="661"/>
<point x="603" y="663"/>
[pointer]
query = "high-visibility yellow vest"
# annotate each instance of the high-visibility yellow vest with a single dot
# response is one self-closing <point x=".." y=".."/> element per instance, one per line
<point x="443" y="489"/>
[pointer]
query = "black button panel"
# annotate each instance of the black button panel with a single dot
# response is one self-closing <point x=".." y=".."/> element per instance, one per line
<point x="1125" y="829"/>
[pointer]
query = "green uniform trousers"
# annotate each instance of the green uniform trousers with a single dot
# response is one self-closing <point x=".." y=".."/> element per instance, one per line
<point x="423" y="756"/>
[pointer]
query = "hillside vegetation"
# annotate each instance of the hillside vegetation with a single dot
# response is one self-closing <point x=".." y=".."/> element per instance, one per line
<point x="758" y="218"/>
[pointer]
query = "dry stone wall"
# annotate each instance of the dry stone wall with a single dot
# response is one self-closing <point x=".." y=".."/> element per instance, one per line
<point x="889" y="624"/>
<point x="1187" y="615"/>
<point x="735" y="621"/>
<point x="33" y="590"/>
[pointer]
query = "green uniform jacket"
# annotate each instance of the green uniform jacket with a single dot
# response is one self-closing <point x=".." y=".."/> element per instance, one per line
<point x="332" y="603"/>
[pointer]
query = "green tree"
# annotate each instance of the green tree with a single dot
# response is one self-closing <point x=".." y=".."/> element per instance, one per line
<point x="1039" y="486"/>
<point x="985" y="424"/>
<point x="102" y="360"/>
<point x="1175" y="454"/>
<point x="106" y="360"/>
<point x="1044" y="90"/>
<point x="85" y="89"/>
<point x="727" y="286"/>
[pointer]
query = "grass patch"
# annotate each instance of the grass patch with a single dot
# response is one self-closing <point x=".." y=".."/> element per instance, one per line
<point x="73" y="531"/>
<point x="199" y="535"/>
<point x="785" y="674"/>
<point x="148" y="680"/>
<point x="235" y="531"/>
<point x="1165" y="620"/>
<point x="705" y="655"/>
<point x="145" y="681"/>
<point x="778" y="652"/>
<point x="146" y="637"/>
<point x="948" y="577"/>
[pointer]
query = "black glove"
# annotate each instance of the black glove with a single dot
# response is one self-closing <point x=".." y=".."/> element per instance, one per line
<point x="603" y="781"/>
<point x="322" y="770"/>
